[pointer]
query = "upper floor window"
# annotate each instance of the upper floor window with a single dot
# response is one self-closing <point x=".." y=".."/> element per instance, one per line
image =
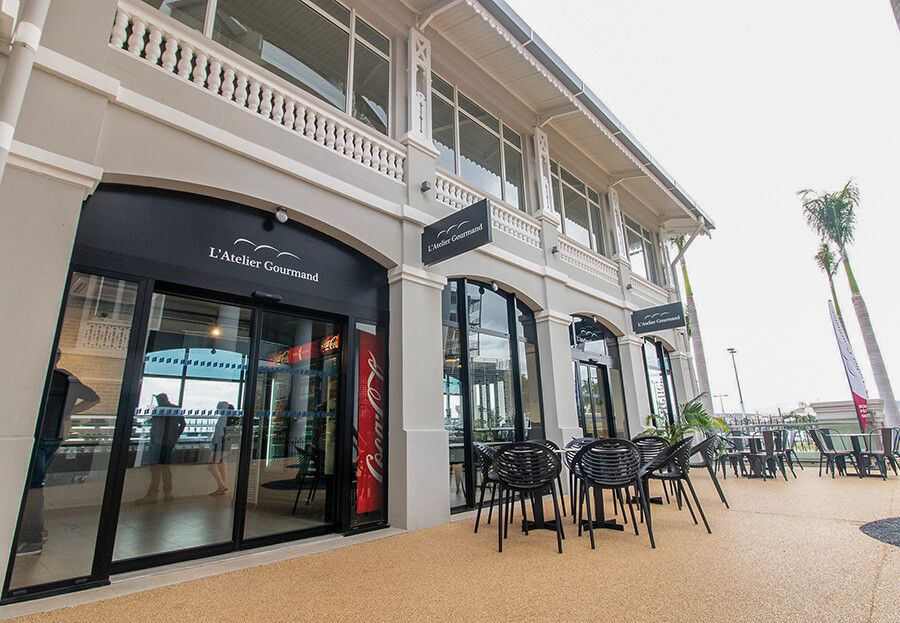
<point x="319" y="45"/>
<point x="475" y="145"/>
<point x="580" y="207"/>
<point x="641" y="251"/>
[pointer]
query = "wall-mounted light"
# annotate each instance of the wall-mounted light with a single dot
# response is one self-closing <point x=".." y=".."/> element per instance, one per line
<point x="629" y="286"/>
<point x="494" y="286"/>
<point x="281" y="215"/>
<point x="215" y="331"/>
<point x="426" y="186"/>
<point x="554" y="250"/>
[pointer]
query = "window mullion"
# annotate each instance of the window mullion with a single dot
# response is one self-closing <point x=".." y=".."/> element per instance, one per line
<point x="456" y="129"/>
<point x="210" y="18"/>
<point x="348" y="107"/>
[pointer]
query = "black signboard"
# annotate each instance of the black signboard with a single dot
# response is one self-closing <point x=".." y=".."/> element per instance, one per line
<point x="462" y="231"/>
<point x="224" y="247"/>
<point x="658" y="318"/>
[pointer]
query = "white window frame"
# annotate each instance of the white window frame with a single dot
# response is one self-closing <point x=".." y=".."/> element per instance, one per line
<point x="209" y="25"/>
<point x="500" y="133"/>
<point x="600" y="247"/>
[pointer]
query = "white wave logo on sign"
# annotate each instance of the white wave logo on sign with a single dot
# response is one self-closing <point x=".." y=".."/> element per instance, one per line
<point x="272" y="265"/>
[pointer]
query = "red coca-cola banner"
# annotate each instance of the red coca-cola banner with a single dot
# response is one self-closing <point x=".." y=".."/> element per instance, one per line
<point x="370" y="437"/>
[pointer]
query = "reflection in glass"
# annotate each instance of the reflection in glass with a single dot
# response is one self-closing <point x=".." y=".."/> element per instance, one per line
<point x="290" y="39"/>
<point x="597" y="229"/>
<point x="576" y="210"/>
<point x="493" y="404"/>
<point x="486" y="309"/>
<point x="291" y="482"/>
<point x="592" y="401"/>
<point x="515" y="178"/>
<point x="479" y="156"/>
<point x="636" y="253"/>
<point x="656" y="383"/>
<point x="371" y="77"/>
<point x="189" y="12"/>
<point x="185" y="437"/>
<point x="61" y="513"/>
<point x="453" y="413"/>
<point x="528" y="372"/>
<point x="443" y="133"/>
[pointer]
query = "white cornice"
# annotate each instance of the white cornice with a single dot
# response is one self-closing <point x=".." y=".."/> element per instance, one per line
<point x="550" y="315"/>
<point x="405" y="272"/>
<point x="50" y="164"/>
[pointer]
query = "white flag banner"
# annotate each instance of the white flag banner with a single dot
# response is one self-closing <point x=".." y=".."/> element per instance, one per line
<point x="851" y="367"/>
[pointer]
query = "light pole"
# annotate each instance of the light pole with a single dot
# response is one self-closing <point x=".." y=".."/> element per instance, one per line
<point x="736" y="378"/>
<point x="721" y="402"/>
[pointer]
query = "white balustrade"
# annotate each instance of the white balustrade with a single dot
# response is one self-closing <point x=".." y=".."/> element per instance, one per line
<point x="648" y="291"/>
<point x="589" y="261"/>
<point x="506" y="219"/>
<point x="174" y="48"/>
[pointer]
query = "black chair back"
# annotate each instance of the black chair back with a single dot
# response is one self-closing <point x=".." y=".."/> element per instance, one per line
<point x="816" y="436"/>
<point x="572" y="448"/>
<point x="484" y="456"/>
<point x="609" y="462"/>
<point x="526" y="466"/>
<point x="708" y="449"/>
<point x="650" y="446"/>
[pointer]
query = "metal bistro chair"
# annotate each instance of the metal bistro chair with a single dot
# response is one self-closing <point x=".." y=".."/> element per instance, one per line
<point x="526" y="468"/>
<point x="737" y="453"/>
<point x="575" y="444"/>
<point x="827" y="454"/>
<point x="790" y="451"/>
<point x="608" y="464"/>
<point x="676" y="470"/>
<point x="888" y="438"/>
<point x="708" y="449"/>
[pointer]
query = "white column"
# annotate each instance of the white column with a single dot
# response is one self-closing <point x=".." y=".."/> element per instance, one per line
<point x="419" y="90"/>
<point x="418" y="454"/>
<point x="685" y="388"/>
<point x="557" y="378"/>
<point x="634" y="379"/>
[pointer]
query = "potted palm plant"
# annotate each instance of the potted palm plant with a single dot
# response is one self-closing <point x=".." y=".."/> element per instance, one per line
<point x="692" y="418"/>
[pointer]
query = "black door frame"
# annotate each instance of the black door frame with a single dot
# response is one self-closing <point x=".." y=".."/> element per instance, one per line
<point x="602" y="363"/>
<point x="102" y="566"/>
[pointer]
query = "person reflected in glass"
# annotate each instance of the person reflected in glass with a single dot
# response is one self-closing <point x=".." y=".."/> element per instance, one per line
<point x="217" y="465"/>
<point x="166" y="425"/>
<point x="66" y="397"/>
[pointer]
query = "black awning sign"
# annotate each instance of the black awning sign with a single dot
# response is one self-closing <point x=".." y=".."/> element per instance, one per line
<point x="658" y="318"/>
<point x="462" y="231"/>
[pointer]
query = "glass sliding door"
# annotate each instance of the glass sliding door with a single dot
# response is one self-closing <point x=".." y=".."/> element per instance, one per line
<point x="594" y="412"/>
<point x="292" y="460"/>
<point x="61" y="511"/>
<point x="491" y="389"/>
<point x="185" y="436"/>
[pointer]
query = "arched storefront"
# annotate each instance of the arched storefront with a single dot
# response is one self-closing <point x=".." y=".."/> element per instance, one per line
<point x="218" y="382"/>
<point x="599" y="393"/>
<point x="491" y="387"/>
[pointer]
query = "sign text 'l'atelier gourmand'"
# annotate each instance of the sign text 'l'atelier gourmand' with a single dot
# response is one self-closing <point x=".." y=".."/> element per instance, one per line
<point x="658" y="318"/>
<point x="462" y="231"/>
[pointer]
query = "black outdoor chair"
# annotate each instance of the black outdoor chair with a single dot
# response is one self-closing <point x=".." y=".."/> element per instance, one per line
<point x="484" y="459"/>
<point x="790" y="451"/>
<point x="767" y="455"/>
<point x="526" y="468"/>
<point x="827" y="454"/>
<point x="886" y="438"/>
<point x="658" y="460"/>
<point x="737" y="453"/>
<point x="709" y="450"/>
<point x="612" y="464"/>
<point x="677" y="471"/>
<point x="572" y="448"/>
<point x="650" y="446"/>
<point x="553" y="446"/>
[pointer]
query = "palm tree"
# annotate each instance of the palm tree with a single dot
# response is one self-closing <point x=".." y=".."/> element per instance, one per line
<point x="833" y="217"/>
<point x="693" y="329"/>
<point x="829" y="265"/>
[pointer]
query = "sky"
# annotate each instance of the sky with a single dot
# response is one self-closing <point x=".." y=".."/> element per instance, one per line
<point x="744" y="104"/>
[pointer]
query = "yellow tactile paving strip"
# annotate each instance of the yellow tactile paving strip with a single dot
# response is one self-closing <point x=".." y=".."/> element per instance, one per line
<point x="786" y="551"/>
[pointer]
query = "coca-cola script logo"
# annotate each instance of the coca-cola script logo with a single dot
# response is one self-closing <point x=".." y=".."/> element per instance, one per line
<point x="375" y="460"/>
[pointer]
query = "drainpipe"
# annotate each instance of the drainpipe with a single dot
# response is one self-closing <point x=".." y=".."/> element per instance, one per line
<point x="25" y="42"/>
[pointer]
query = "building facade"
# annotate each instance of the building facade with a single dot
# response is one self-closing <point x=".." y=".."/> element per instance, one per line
<point x="223" y="332"/>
